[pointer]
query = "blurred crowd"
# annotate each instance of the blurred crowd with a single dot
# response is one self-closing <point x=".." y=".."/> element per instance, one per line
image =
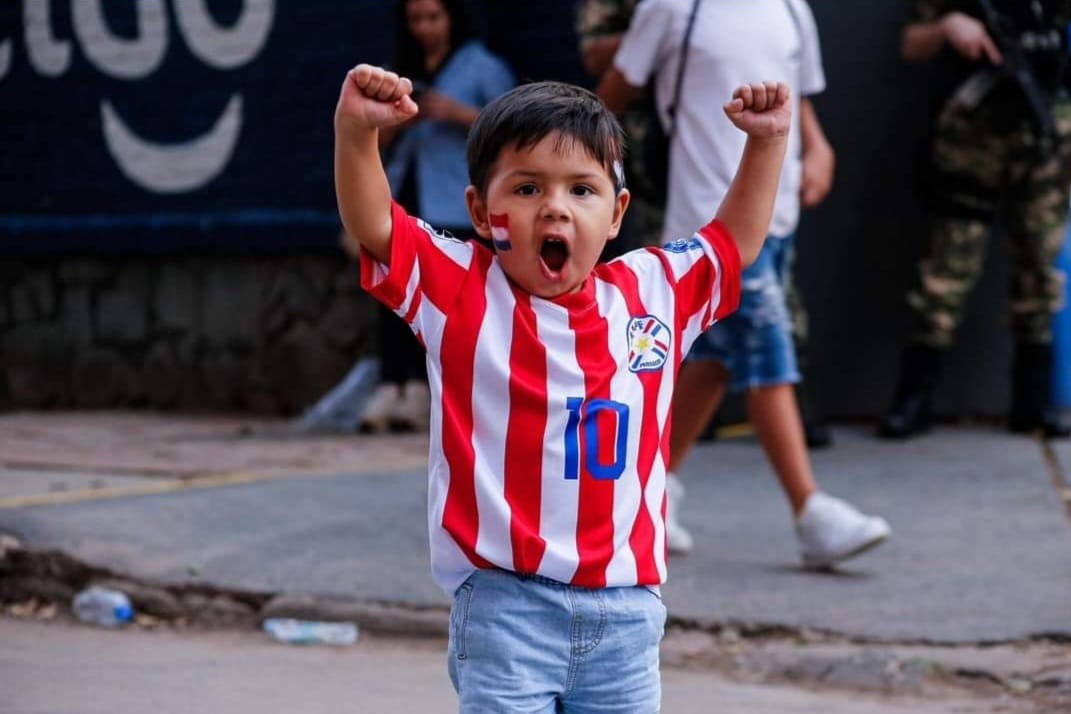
<point x="1000" y="151"/>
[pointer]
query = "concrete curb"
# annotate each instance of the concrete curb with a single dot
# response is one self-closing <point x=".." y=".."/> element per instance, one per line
<point x="778" y="652"/>
<point x="56" y="577"/>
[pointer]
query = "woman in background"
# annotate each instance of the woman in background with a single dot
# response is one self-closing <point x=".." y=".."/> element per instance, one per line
<point x="454" y="76"/>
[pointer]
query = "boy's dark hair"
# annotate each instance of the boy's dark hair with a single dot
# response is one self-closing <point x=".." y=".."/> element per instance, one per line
<point x="526" y="115"/>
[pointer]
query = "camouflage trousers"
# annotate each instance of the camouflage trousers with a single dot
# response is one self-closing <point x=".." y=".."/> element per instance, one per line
<point x="985" y="165"/>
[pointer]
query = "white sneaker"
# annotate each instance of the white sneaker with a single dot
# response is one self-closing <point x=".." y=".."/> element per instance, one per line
<point x="413" y="410"/>
<point x="678" y="539"/>
<point x="830" y="530"/>
<point x="376" y="415"/>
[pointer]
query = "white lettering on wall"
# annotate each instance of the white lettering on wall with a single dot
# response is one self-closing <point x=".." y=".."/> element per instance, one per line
<point x="161" y="168"/>
<point x="49" y="56"/>
<point x="218" y="46"/>
<point x="116" y="56"/>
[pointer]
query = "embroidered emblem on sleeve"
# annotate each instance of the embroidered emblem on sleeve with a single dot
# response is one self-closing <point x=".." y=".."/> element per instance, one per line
<point x="682" y="245"/>
<point x="648" y="343"/>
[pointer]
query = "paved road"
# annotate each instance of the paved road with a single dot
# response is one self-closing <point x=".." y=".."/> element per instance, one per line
<point x="59" y="668"/>
<point x="982" y="545"/>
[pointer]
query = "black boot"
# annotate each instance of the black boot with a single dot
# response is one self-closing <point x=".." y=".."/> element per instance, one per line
<point x="912" y="409"/>
<point x="1031" y="379"/>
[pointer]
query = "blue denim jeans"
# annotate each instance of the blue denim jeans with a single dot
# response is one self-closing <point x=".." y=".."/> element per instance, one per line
<point x="755" y="342"/>
<point x="525" y="643"/>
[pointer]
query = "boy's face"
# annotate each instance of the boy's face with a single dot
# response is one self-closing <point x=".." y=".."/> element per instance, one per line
<point x="549" y="210"/>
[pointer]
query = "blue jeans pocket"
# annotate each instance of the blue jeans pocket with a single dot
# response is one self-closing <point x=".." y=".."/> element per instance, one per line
<point x="459" y="619"/>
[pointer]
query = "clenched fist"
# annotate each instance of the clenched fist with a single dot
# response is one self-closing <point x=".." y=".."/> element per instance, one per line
<point x="373" y="97"/>
<point x="761" y="110"/>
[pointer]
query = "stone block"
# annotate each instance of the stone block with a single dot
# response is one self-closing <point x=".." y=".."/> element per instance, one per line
<point x="76" y="315"/>
<point x="80" y="271"/>
<point x="33" y="299"/>
<point x="348" y="279"/>
<point x="230" y="304"/>
<point x="301" y="366"/>
<point x="223" y="374"/>
<point x="319" y="273"/>
<point x="174" y="300"/>
<point x="36" y="362"/>
<point x="165" y="377"/>
<point x="347" y="321"/>
<point x="121" y="317"/>
<point x="290" y="297"/>
<point x="102" y="378"/>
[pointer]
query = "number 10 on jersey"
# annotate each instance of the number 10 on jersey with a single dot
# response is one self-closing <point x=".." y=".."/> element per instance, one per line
<point x="584" y="425"/>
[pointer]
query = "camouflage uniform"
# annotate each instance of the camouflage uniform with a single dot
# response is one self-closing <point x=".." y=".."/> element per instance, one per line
<point x="601" y="18"/>
<point x="986" y="155"/>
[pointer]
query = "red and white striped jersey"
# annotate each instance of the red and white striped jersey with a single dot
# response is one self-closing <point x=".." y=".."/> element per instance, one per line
<point x="550" y="417"/>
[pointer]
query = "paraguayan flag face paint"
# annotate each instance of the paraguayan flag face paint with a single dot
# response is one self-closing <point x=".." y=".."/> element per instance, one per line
<point x="500" y="231"/>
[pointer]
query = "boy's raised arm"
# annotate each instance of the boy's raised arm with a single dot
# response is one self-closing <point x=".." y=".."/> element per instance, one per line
<point x="763" y="111"/>
<point x="371" y="98"/>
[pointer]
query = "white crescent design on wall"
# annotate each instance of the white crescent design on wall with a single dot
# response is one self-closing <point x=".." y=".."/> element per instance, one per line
<point x="178" y="167"/>
<point x="117" y="56"/>
<point x="220" y="47"/>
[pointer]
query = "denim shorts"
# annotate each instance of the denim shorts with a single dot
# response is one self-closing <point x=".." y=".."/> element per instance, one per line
<point x="525" y="643"/>
<point x="755" y="342"/>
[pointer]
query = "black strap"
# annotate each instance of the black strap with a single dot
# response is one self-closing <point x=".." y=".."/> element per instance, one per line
<point x="672" y="108"/>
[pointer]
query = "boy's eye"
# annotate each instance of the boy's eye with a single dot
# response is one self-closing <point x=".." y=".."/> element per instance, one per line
<point x="583" y="190"/>
<point x="527" y="189"/>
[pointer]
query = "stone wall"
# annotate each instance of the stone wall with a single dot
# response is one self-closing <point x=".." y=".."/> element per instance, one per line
<point x="268" y="334"/>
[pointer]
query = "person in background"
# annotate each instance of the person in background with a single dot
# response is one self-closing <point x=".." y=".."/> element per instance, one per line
<point x="752" y="349"/>
<point x="600" y="25"/>
<point x="453" y="75"/>
<point x="1002" y="141"/>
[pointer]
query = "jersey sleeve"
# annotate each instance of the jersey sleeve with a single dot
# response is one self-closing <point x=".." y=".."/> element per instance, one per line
<point x="645" y="44"/>
<point x="426" y="270"/>
<point x="705" y="273"/>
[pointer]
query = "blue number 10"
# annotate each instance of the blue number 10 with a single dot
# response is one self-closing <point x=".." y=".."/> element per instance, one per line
<point x="583" y="420"/>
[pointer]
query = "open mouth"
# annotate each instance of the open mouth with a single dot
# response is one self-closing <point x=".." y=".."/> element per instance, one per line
<point x="554" y="252"/>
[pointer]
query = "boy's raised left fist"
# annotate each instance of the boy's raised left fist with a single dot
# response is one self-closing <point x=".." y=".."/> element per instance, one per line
<point x="761" y="110"/>
<point x="373" y="97"/>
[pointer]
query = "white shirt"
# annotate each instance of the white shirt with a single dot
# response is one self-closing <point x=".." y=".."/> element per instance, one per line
<point x="550" y="417"/>
<point x="733" y="42"/>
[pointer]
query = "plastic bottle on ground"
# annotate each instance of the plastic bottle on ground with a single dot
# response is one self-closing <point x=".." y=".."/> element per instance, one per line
<point x="103" y="607"/>
<point x="306" y="632"/>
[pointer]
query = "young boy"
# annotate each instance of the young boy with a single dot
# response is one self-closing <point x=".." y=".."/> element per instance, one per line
<point x="551" y="379"/>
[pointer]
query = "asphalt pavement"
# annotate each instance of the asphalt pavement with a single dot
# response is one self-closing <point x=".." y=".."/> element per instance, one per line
<point x="981" y="550"/>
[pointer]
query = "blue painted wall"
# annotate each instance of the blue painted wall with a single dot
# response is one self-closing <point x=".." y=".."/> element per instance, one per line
<point x="63" y="186"/>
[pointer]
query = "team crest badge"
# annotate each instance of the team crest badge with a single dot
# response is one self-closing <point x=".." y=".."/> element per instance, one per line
<point x="648" y="343"/>
<point x="682" y="245"/>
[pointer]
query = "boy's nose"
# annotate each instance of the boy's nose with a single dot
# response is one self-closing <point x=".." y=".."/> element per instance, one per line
<point x="554" y="207"/>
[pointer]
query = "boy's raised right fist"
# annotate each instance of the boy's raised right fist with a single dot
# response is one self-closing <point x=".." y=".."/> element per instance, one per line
<point x="372" y="97"/>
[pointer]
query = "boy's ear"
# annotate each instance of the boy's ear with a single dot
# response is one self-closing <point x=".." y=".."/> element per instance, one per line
<point x="478" y="212"/>
<point x="621" y="202"/>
